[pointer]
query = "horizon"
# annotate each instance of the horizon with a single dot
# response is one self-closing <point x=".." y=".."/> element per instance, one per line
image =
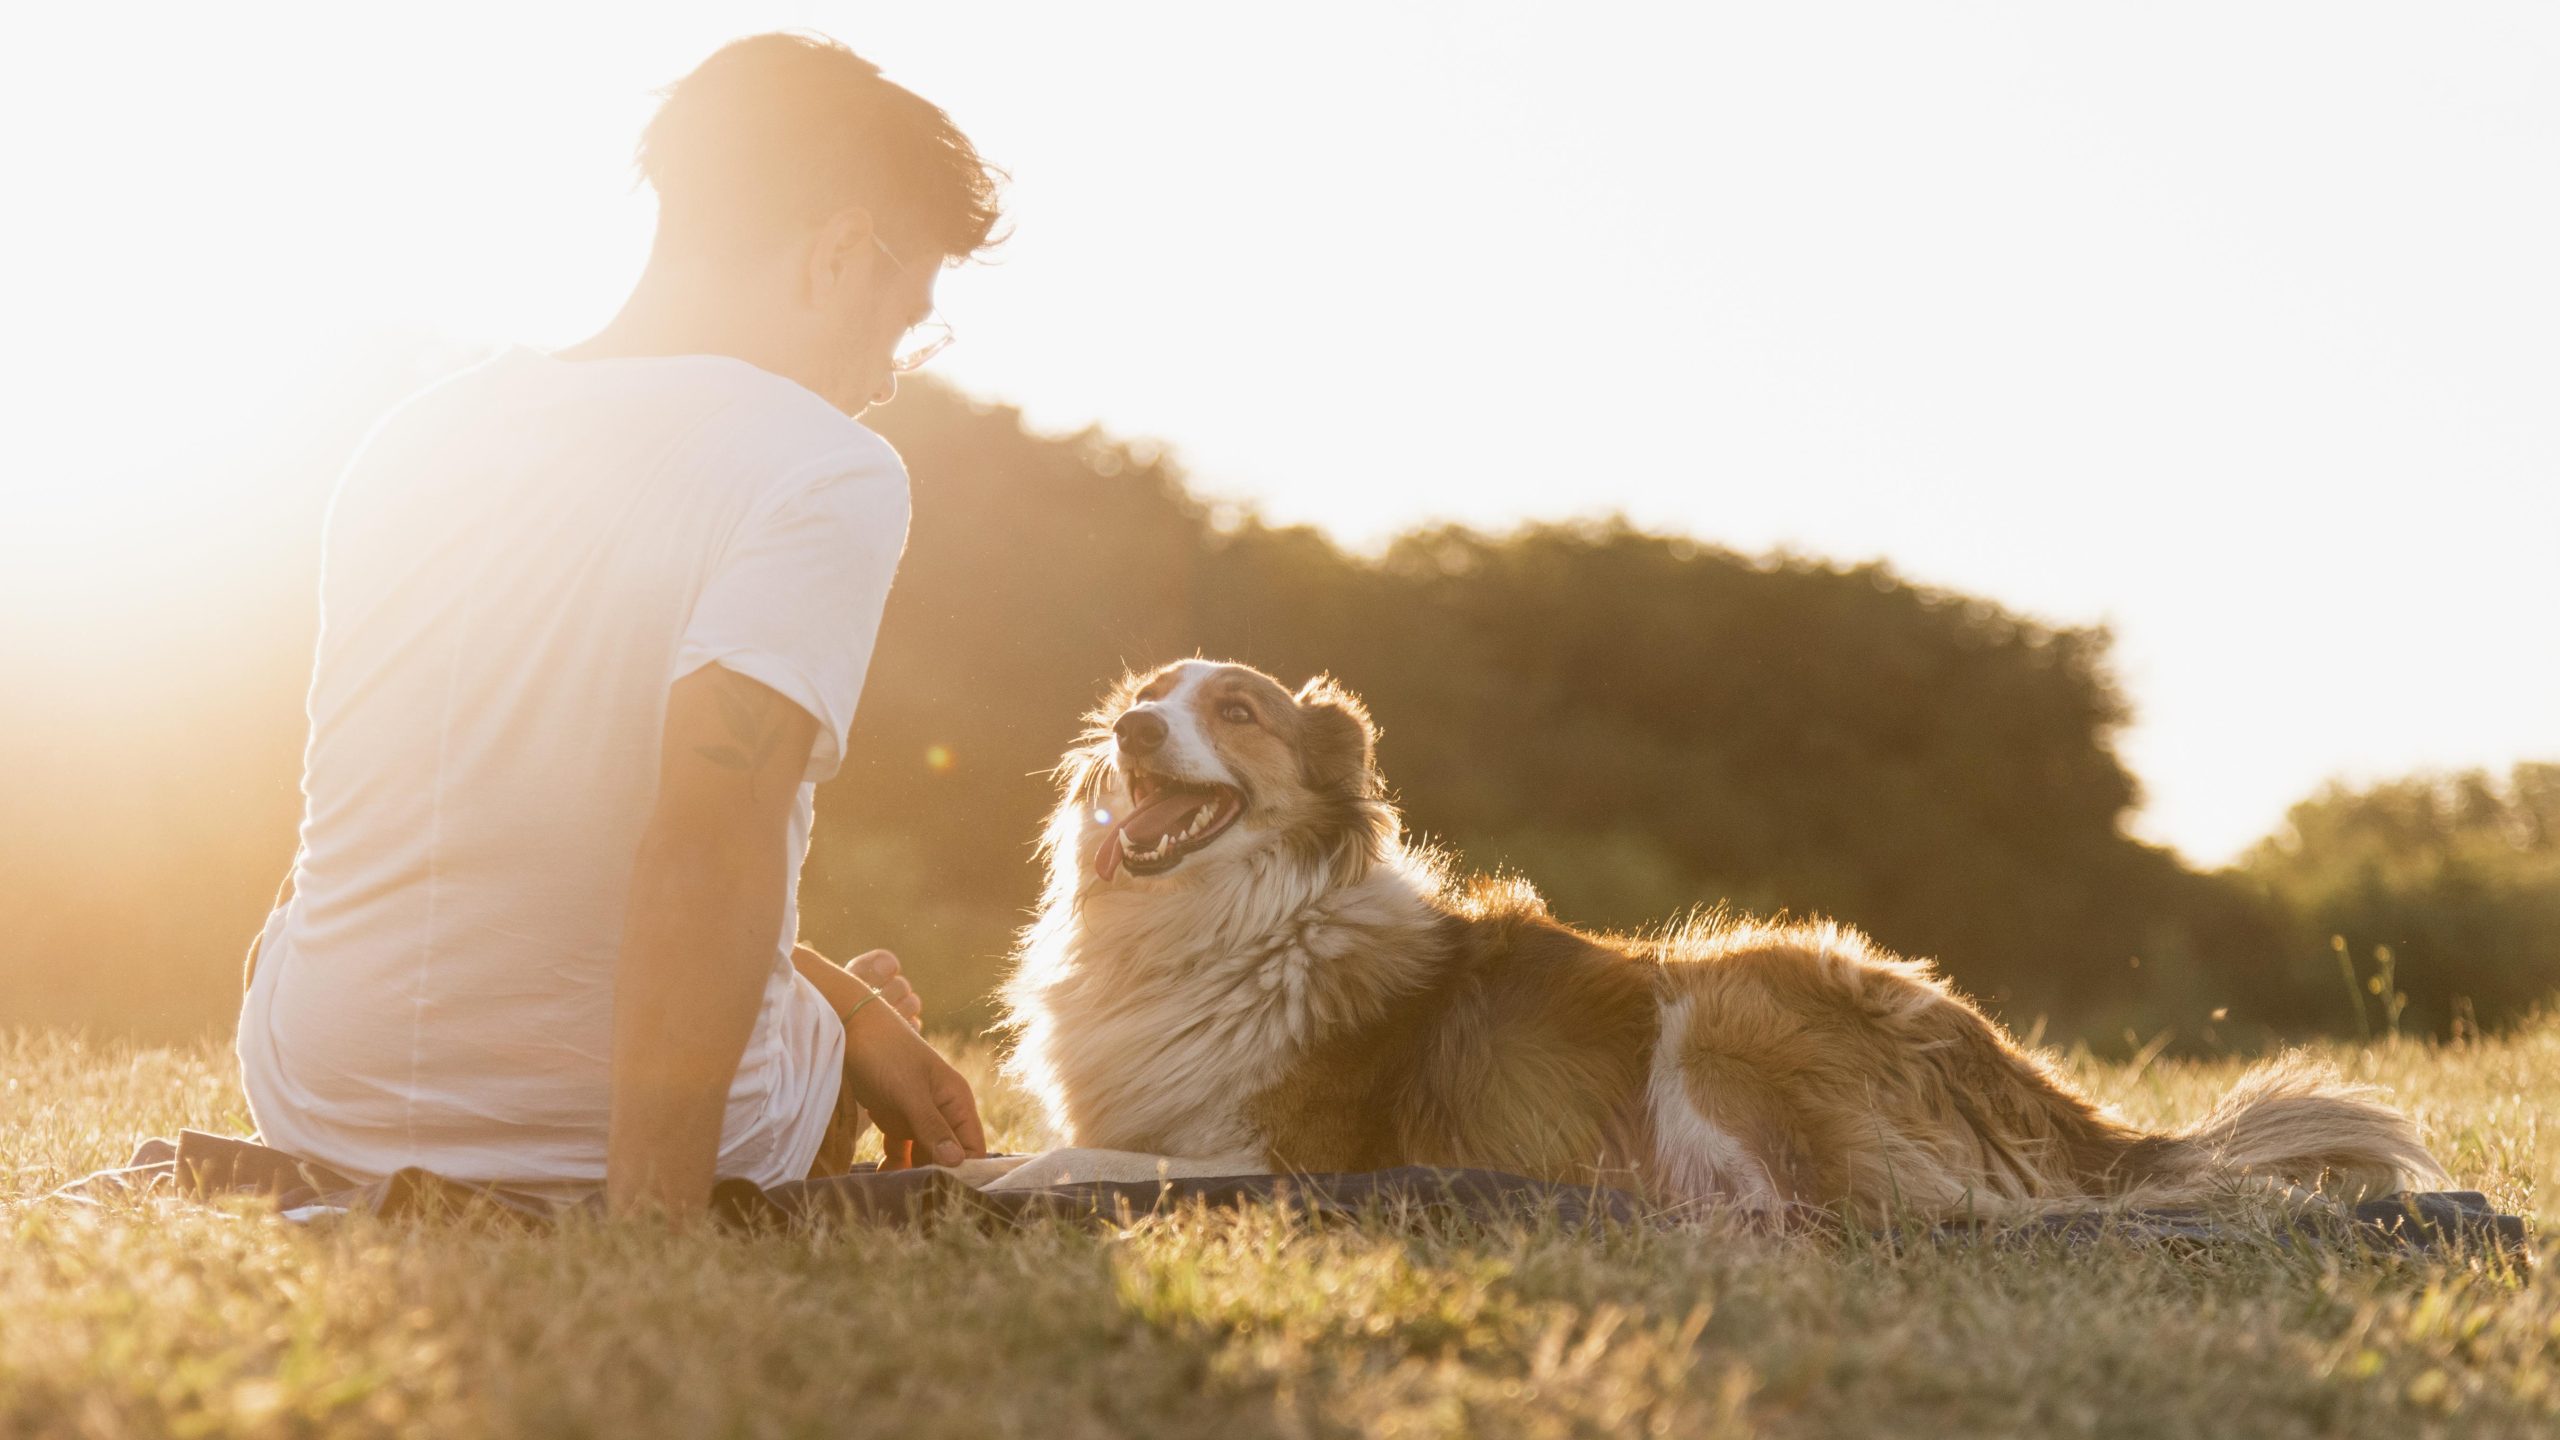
<point x="2273" y="307"/>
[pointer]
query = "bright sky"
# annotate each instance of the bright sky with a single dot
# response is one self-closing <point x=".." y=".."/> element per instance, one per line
<point x="2234" y="325"/>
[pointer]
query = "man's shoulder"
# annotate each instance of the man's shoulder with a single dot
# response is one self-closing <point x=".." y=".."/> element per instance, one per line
<point x="712" y="415"/>
<point x="787" y="434"/>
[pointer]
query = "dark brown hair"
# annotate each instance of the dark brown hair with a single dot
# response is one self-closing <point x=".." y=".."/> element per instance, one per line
<point x="776" y="131"/>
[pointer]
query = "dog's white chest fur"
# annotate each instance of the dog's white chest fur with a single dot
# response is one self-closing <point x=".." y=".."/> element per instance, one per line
<point x="1150" y="1021"/>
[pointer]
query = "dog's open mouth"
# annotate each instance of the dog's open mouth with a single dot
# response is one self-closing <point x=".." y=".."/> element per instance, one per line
<point x="1167" y="820"/>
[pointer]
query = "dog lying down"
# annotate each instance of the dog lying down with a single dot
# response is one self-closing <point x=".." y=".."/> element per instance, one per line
<point x="1239" y="960"/>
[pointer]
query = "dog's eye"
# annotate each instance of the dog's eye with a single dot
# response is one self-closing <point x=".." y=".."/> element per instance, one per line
<point x="1236" y="713"/>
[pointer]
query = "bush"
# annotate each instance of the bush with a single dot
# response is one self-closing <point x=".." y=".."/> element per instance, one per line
<point x="2440" y="891"/>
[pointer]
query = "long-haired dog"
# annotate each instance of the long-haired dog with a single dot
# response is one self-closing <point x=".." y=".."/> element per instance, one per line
<point x="1240" y="959"/>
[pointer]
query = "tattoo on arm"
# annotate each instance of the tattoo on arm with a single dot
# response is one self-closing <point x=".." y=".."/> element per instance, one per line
<point x="752" y="716"/>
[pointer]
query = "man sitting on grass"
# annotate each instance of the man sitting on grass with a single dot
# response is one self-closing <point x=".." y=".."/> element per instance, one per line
<point x="593" y="628"/>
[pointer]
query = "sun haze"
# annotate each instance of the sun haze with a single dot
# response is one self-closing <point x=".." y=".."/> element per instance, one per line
<point x="2227" y="327"/>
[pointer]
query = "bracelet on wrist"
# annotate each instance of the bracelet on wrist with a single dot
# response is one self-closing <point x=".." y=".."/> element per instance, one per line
<point x="865" y="1000"/>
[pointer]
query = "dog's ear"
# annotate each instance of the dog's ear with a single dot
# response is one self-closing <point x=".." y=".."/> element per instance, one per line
<point x="1338" y="740"/>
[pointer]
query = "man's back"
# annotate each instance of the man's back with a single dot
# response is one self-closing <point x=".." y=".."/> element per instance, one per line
<point x="517" y="567"/>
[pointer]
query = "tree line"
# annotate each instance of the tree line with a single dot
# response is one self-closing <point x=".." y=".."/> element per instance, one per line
<point x="1641" y="724"/>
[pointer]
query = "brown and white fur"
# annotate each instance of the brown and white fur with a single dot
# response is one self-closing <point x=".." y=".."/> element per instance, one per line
<point x="1288" y="984"/>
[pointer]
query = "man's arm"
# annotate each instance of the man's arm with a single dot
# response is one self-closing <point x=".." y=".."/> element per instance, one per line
<point x="925" y="1109"/>
<point x="878" y="970"/>
<point x="700" y="933"/>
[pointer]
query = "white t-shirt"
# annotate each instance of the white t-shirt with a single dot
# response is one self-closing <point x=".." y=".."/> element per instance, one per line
<point x="517" y="565"/>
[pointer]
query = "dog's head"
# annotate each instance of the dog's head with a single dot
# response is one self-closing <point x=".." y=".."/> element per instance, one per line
<point x="1198" y="763"/>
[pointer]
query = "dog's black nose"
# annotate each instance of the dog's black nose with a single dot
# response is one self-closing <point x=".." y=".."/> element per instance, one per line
<point x="1140" y="731"/>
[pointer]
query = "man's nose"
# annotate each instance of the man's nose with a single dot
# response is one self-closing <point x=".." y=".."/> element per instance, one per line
<point x="1141" y="731"/>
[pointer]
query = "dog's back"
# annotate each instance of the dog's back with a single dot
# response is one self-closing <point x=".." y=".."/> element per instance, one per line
<point x="1801" y="1066"/>
<point x="1523" y="1046"/>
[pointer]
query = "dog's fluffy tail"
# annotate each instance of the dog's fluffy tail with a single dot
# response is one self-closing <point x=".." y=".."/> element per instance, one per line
<point x="2293" y="1120"/>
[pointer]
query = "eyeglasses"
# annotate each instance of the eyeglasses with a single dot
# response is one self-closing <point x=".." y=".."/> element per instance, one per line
<point x="924" y="339"/>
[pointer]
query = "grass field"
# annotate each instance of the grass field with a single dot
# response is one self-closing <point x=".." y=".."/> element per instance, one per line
<point x="173" y="1321"/>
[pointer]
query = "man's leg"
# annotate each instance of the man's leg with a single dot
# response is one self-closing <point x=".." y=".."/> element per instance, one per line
<point x="844" y="1132"/>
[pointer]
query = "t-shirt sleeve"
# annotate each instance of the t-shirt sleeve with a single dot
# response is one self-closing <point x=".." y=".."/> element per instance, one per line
<point x="794" y="603"/>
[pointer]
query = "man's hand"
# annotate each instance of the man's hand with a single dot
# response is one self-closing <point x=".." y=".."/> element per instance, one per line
<point x="879" y="970"/>
<point x="924" y="1109"/>
<point x="875" y="970"/>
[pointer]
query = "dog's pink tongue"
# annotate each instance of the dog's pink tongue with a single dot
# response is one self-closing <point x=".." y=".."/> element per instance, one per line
<point x="1146" y="825"/>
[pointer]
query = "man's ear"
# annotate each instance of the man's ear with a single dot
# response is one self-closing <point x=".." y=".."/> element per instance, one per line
<point x="1337" y="739"/>
<point x="841" y="253"/>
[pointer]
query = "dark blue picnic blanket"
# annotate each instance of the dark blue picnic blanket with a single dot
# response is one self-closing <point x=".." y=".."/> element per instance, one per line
<point x="198" y="1165"/>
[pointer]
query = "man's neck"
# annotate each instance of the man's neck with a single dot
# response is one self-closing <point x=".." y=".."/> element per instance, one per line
<point x="685" y="308"/>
